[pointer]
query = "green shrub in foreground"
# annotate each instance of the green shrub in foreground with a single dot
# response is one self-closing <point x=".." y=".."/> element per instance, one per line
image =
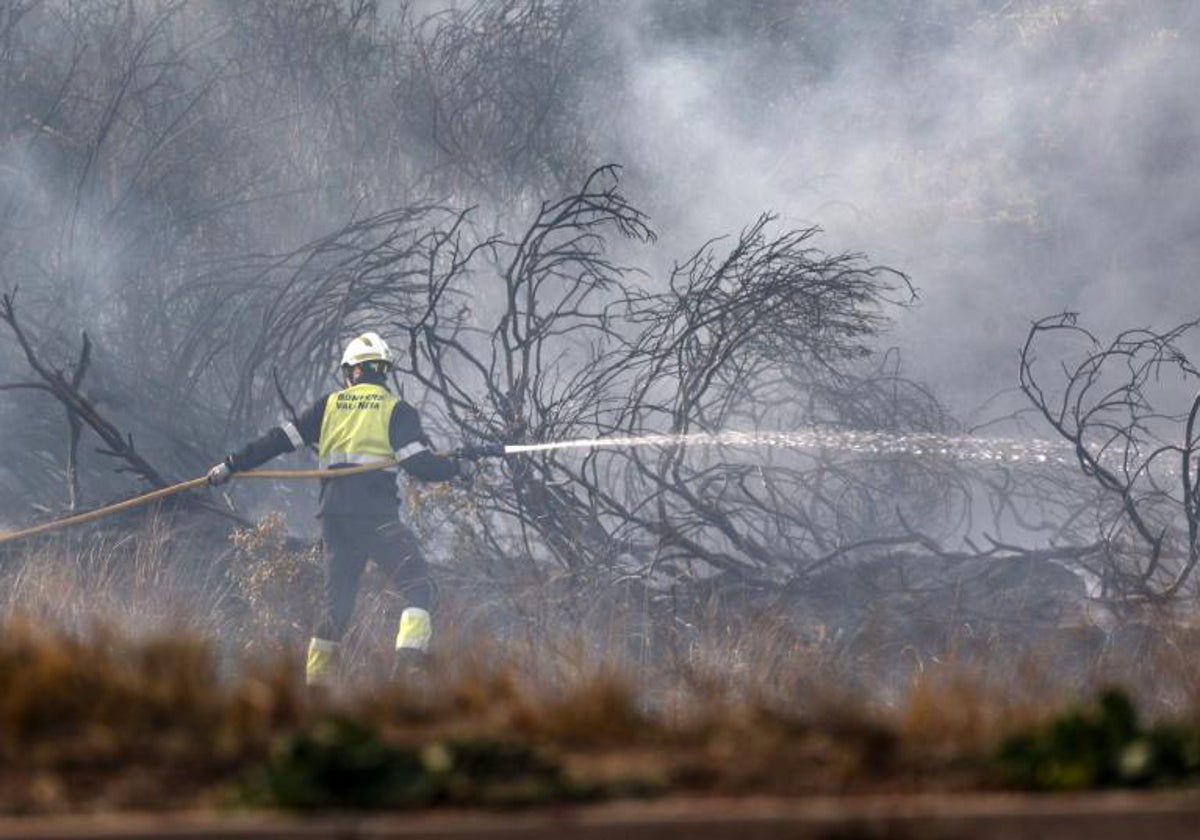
<point x="344" y="764"/>
<point x="1103" y="746"/>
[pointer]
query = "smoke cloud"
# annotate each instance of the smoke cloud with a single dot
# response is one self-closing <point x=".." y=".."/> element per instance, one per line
<point x="1017" y="159"/>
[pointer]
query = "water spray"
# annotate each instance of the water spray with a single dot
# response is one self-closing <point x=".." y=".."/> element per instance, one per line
<point x="916" y="444"/>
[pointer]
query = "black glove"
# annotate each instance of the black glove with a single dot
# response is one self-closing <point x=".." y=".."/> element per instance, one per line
<point x="481" y="450"/>
<point x="464" y="472"/>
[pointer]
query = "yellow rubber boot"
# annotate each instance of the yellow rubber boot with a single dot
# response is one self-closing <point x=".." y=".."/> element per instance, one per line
<point x="321" y="665"/>
<point x="412" y="642"/>
<point x="416" y="629"/>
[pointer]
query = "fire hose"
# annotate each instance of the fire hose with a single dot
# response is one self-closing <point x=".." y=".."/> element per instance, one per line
<point x="468" y="453"/>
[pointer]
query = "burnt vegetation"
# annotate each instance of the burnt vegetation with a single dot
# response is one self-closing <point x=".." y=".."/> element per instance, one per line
<point x="216" y="195"/>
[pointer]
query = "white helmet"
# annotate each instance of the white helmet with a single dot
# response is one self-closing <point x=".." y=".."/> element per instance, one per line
<point x="368" y="347"/>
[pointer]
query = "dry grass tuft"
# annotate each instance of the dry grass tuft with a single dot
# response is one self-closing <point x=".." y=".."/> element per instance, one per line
<point x="100" y="721"/>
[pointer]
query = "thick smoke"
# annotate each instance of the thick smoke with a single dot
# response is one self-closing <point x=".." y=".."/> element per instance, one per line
<point x="1017" y="159"/>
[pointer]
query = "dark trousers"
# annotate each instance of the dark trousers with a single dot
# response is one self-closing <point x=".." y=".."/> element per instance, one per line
<point x="349" y="542"/>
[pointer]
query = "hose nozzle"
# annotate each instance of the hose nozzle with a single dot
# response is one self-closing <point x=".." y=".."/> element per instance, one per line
<point x="480" y="450"/>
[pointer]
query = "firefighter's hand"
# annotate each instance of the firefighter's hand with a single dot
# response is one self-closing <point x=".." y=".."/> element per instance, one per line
<point x="465" y="476"/>
<point x="219" y="474"/>
<point x="479" y="450"/>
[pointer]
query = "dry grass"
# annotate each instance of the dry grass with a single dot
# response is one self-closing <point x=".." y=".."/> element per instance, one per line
<point x="135" y="672"/>
<point x="100" y="721"/>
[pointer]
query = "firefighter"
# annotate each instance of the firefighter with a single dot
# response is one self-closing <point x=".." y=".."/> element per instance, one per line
<point x="360" y="424"/>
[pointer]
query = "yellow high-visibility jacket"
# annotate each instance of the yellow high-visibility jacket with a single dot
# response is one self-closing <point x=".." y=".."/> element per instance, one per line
<point x="357" y="425"/>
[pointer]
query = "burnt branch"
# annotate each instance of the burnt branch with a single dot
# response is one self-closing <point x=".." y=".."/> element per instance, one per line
<point x="1113" y="403"/>
<point x="75" y="424"/>
<point x="66" y="391"/>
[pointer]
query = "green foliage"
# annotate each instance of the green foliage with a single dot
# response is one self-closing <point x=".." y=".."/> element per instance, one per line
<point x="344" y="763"/>
<point x="1101" y="747"/>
